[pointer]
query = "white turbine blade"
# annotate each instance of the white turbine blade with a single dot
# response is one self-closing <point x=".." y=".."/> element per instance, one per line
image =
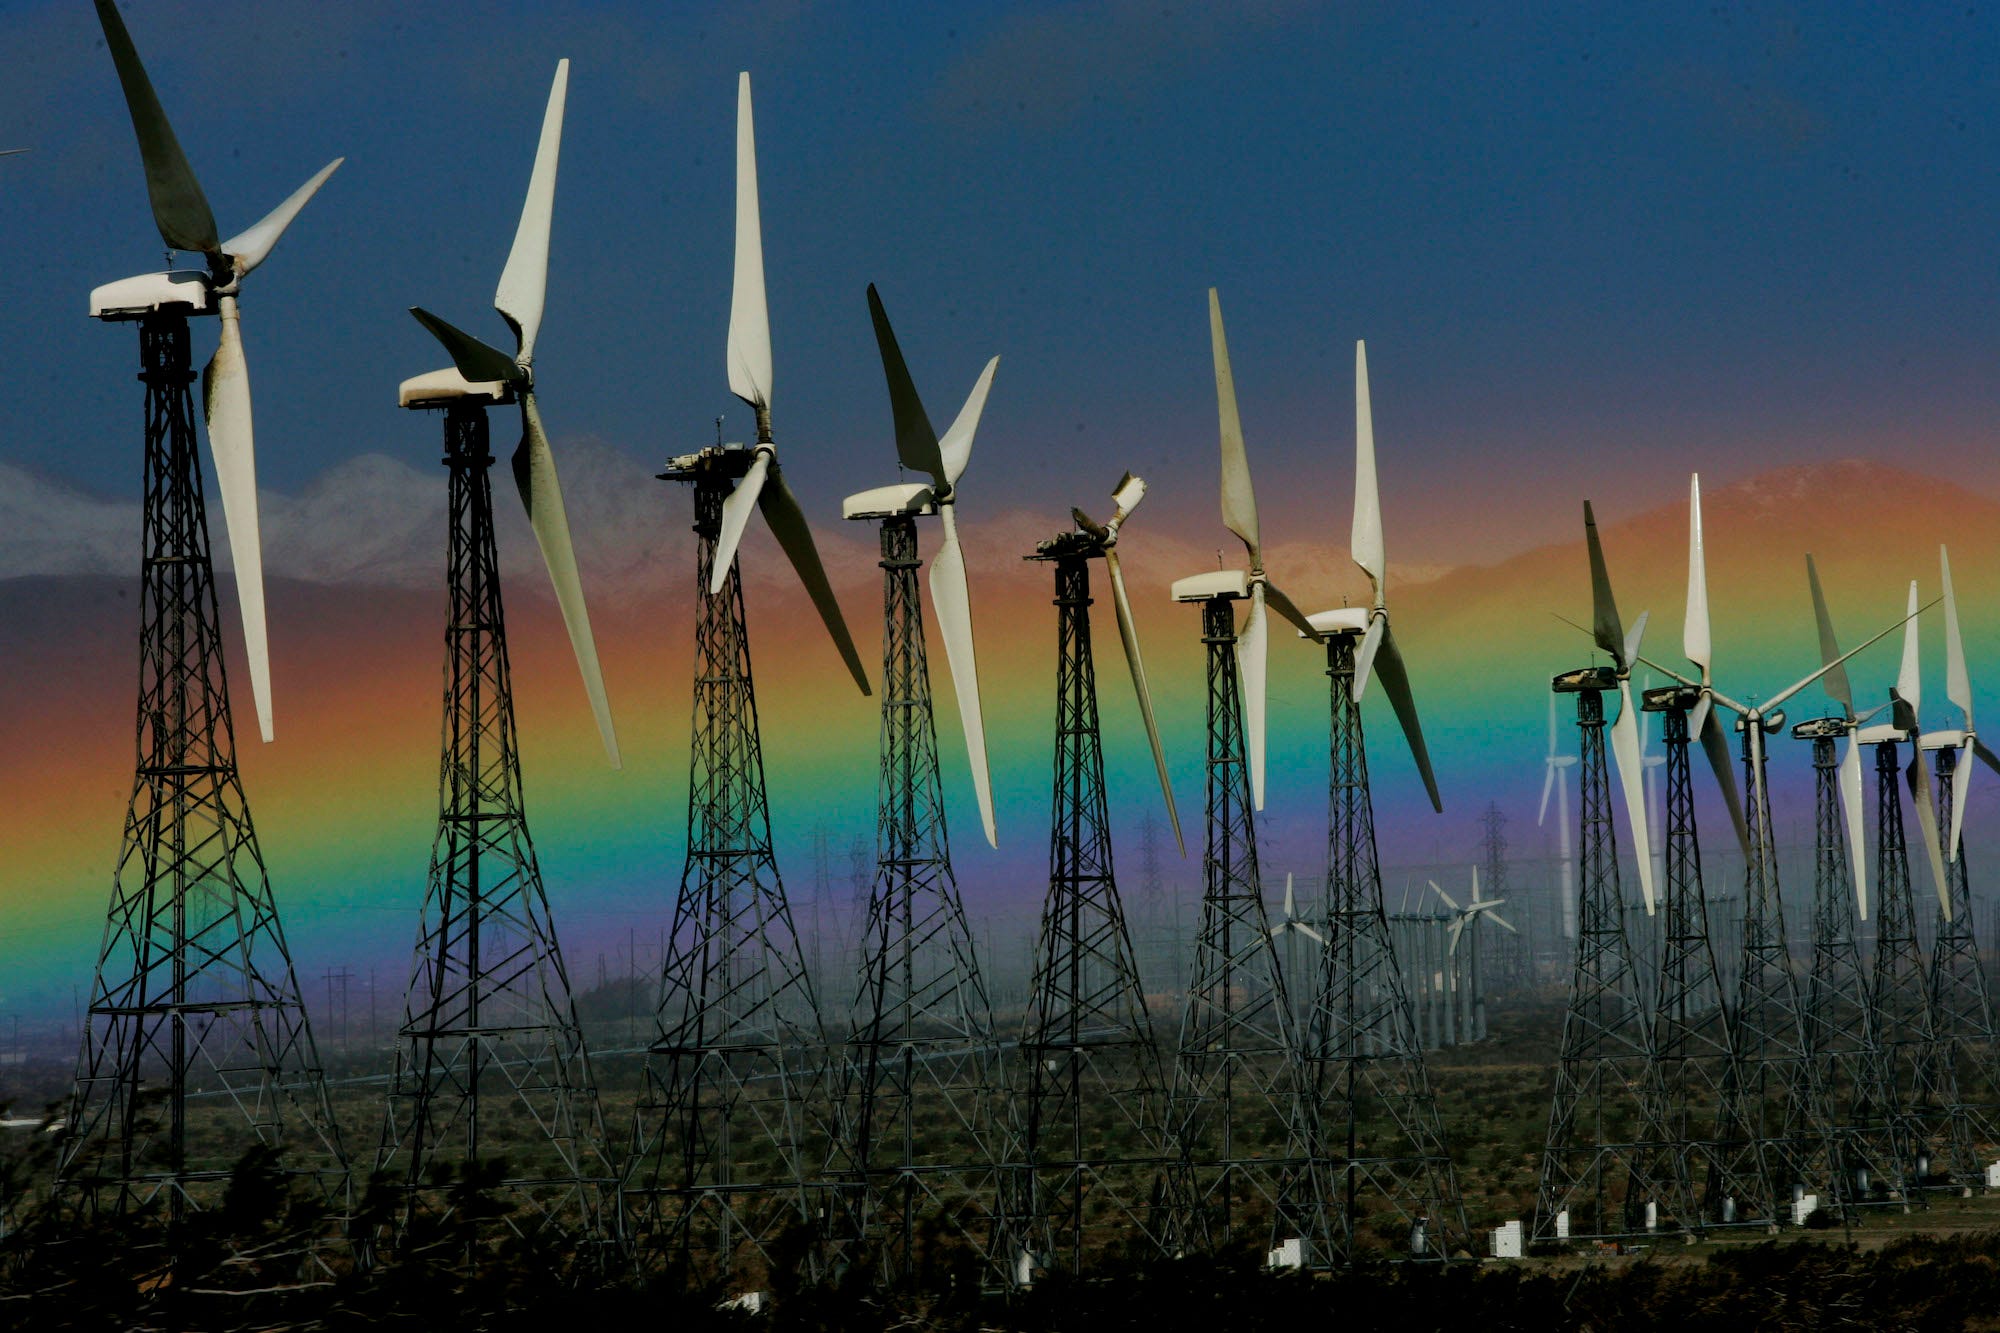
<point x="1365" y="653"/>
<point x="1548" y="785"/>
<point x="1252" y="655"/>
<point x="735" y="515"/>
<point x="250" y="248"/>
<point x="955" y="448"/>
<point x="1850" y="809"/>
<point x="1635" y="636"/>
<point x="1715" y="744"/>
<point x="1909" y="679"/>
<point x="1502" y="922"/>
<point x="1918" y="774"/>
<point x="1396" y="684"/>
<point x="524" y="282"/>
<point x="1475" y="885"/>
<point x="180" y="209"/>
<point x="1128" y="634"/>
<point x="1239" y="501"/>
<point x="1836" y="684"/>
<point x="1449" y="901"/>
<point x="787" y="522"/>
<point x="225" y="392"/>
<point x="1625" y="746"/>
<point x="1696" y="643"/>
<point x="1961" y="789"/>
<point x="541" y="495"/>
<point x="749" y="315"/>
<point x="953" y="602"/>
<point x="1365" y="538"/>
<point x="1457" y="930"/>
<point x="478" y="361"/>
<point x="1957" y="683"/>
<point x="1290" y="912"/>
<point x="1309" y="933"/>
<point x="1907" y="624"/>
<point x="916" y="441"/>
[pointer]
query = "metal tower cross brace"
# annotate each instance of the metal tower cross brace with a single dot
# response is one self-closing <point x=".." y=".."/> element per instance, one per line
<point x="1775" y="1121"/>
<point x="1964" y="1008"/>
<point x="1382" y="1141"/>
<point x="1692" y="1042"/>
<point x="1241" y="1109"/>
<point x="196" y="1044"/>
<point x="922" y="1135"/>
<point x="488" y="1018"/>
<point x="1918" y="1080"/>
<point x="1601" y="1161"/>
<point x="729" y="1127"/>
<point x="1842" y="1026"/>
<point x="1092" y="1104"/>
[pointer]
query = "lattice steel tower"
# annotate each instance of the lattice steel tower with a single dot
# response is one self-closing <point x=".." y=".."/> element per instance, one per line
<point x="1692" y="1043"/>
<point x="195" y="1044"/>
<point x="1918" y="1078"/>
<point x="1843" y="1028"/>
<point x="730" y="1127"/>
<point x="1601" y="1161"/>
<point x="489" y="1036"/>
<point x="1241" y="1109"/>
<point x="922" y="1134"/>
<point x="1092" y="1100"/>
<point x="1774" y="1113"/>
<point x="1381" y="1140"/>
<point x="1966" y="1038"/>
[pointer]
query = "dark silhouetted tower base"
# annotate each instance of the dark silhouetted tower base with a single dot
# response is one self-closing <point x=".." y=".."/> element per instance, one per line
<point x="1381" y="1144"/>
<point x="922" y="1142"/>
<point x="195" y="1046"/>
<point x="1775" y="1127"/>
<point x="1965" y="1032"/>
<point x="725" y="1137"/>
<point x="1241" y="1109"/>
<point x="492" y="1078"/>
<point x="1602" y="1161"/>
<point x="1092" y="1093"/>
<point x="1840" y="1005"/>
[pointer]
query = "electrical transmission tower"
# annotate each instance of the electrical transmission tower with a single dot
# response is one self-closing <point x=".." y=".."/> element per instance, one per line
<point x="1843" y="1027"/>
<point x="1965" y="1031"/>
<point x="1241" y="1110"/>
<point x="1602" y="1164"/>
<point x="195" y="1043"/>
<point x="922" y="1133"/>
<point x="1692" y="1044"/>
<point x="490" y="1062"/>
<point x="724" y="1137"/>
<point x="1382" y="1140"/>
<point x="1918" y="1077"/>
<point x="1510" y="965"/>
<point x="1093" y="1108"/>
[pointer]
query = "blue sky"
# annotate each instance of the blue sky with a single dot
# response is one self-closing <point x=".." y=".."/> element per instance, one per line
<point x="1605" y="244"/>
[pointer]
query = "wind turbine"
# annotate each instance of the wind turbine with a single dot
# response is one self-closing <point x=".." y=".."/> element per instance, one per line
<point x="490" y="1015"/>
<point x="1848" y="782"/>
<point x="762" y="486"/>
<point x="1470" y="914"/>
<point x="1958" y="689"/>
<point x="1623" y="649"/>
<point x="1905" y="707"/>
<point x="484" y="375"/>
<point x="181" y="212"/>
<point x="194" y="992"/>
<point x="1239" y="515"/>
<point x="919" y="449"/>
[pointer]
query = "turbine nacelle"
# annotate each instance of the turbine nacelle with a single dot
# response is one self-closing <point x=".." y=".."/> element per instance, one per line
<point x="1599" y="678"/>
<point x="1670" y="698"/>
<point x="1230" y="584"/>
<point x="444" y="388"/>
<point x="1349" y="620"/>
<point x="914" y="499"/>
<point x="148" y="293"/>
<point x="1821" y="728"/>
